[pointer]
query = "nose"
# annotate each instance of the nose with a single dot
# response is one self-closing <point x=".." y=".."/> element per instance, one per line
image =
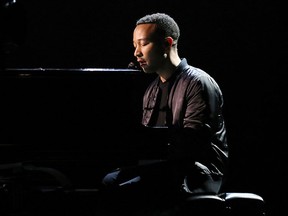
<point x="137" y="52"/>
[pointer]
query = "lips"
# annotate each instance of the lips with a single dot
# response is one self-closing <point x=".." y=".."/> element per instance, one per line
<point x="141" y="63"/>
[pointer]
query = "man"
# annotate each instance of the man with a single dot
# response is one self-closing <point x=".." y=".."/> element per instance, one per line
<point x="187" y="102"/>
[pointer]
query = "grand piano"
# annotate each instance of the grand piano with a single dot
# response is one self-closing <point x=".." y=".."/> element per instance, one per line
<point x="81" y="122"/>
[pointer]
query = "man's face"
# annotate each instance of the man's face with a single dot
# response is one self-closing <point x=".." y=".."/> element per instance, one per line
<point x="149" y="48"/>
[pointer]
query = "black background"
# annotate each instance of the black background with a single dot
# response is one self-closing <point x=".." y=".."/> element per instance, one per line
<point x="242" y="44"/>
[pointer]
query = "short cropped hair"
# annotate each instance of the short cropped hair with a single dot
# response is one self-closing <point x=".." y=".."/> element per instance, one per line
<point x="165" y="24"/>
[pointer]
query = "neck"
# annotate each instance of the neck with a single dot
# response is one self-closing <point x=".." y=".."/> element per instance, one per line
<point x="169" y="68"/>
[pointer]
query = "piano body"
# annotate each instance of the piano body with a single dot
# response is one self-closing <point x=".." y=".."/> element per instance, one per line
<point x="79" y="121"/>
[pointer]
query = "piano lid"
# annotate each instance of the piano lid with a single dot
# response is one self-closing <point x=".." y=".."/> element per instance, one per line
<point x="26" y="72"/>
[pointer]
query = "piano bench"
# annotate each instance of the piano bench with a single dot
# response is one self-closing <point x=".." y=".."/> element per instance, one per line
<point x="224" y="204"/>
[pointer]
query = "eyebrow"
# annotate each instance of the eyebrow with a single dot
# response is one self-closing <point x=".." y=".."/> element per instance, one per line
<point x="142" y="40"/>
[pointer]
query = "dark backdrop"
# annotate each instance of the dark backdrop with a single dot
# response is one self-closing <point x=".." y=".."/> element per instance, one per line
<point x="243" y="44"/>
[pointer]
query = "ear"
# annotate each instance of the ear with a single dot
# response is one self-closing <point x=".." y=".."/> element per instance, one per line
<point x="169" y="41"/>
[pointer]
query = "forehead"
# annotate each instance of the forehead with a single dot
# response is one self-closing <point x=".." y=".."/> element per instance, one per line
<point x="144" y="31"/>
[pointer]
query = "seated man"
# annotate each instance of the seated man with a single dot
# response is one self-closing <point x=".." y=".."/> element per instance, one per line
<point x="186" y="101"/>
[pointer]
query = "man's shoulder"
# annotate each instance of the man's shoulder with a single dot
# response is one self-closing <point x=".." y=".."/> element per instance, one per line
<point x="186" y="69"/>
<point x="193" y="73"/>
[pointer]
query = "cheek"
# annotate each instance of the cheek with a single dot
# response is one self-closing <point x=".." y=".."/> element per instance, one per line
<point x="156" y="51"/>
<point x="153" y="53"/>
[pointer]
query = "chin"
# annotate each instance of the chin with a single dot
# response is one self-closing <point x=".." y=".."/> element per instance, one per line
<point x="147" y="71"/>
